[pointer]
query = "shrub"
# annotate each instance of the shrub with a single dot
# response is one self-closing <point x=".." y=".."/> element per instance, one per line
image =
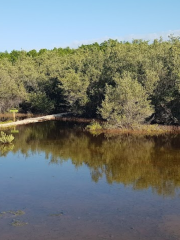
<point x="94" y="126"/>
<point x="125" y="103"/>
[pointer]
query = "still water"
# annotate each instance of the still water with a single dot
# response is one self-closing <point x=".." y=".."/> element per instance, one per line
<point x="60" y="183"/>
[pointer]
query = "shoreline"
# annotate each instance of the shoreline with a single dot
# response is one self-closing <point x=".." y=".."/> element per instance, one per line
<point x="161" y="130"/>
<point x="144" y="129"/>
<point x="33" y="120"/>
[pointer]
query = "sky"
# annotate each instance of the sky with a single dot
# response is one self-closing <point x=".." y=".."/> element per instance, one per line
<point x="37" y="24"/>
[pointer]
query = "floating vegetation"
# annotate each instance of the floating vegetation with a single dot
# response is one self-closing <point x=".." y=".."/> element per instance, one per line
<point x="17" y="213"/>
<point x="5" y="138"/>
<point x="57" y="214"/>
<point x="18" y="223"/>
<point x="14" y="213"/>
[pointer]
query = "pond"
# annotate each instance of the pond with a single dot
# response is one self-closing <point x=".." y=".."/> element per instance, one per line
<point x="58" y="182"/>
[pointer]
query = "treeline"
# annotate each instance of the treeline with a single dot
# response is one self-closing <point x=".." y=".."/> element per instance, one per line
<point x="124" y="83"/>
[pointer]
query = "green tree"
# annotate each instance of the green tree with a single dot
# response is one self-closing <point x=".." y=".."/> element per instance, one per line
<point x="125" y="103"/>
<point x="74" y="86"/>
<point x="12" y="91"/>
<point x="40" y="103"/>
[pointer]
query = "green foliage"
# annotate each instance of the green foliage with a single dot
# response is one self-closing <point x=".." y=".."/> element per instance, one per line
<point x="126" y="103"/>
<point x="75" y="86"/>
<point x="40" y="103"/>
<point x="81" y="80"/>
<point x="12" y="92"/>
<point x="5" y="138"/>
<point x="32" y="53"/>
<point x="94" y="126"/>
<point x="14" y="55"/>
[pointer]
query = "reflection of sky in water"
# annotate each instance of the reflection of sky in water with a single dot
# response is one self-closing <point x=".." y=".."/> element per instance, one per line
<point x="91" y="210"/>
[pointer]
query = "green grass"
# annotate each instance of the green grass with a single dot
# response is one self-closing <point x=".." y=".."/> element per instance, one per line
<point x="9" y="121"/>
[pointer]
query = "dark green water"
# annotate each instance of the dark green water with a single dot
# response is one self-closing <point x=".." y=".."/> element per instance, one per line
<point x="72" y="185"/>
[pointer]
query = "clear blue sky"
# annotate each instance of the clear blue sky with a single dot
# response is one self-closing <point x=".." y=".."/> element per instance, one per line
<point x="36" y="24"/>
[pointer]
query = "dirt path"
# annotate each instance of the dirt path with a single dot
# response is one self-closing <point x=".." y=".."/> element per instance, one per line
<point x="34" y="120"/>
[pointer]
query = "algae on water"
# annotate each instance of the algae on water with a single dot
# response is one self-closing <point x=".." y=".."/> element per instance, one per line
<point x="57" y="214"/>
<point x="17" y="213"/>
<point x="18" y="223"/>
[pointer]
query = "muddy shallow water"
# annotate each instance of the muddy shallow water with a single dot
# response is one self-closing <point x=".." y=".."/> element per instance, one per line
<point x="71" y="185"/>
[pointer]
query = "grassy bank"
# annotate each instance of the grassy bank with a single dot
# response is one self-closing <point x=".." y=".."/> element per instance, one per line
<point x="96" y="126"/>
<point x="143" y="129"/>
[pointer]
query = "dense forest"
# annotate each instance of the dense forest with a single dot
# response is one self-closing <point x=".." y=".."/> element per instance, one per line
<point x="122" y="82"/>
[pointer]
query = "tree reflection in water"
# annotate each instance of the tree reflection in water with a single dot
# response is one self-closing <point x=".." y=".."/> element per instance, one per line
<point x="139" y="161"/>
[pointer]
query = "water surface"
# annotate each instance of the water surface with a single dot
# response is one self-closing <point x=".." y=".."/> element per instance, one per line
<point x="73" y="185"/>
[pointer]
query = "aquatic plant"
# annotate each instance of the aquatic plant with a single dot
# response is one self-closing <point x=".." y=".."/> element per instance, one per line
<point x="18" y="223"/>
<point x="14" y="213"/>
<point x="5" y="138"/>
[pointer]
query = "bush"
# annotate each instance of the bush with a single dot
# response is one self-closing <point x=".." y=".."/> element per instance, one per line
<point x="94" y="126"/>
<point x="125" y="103"/>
